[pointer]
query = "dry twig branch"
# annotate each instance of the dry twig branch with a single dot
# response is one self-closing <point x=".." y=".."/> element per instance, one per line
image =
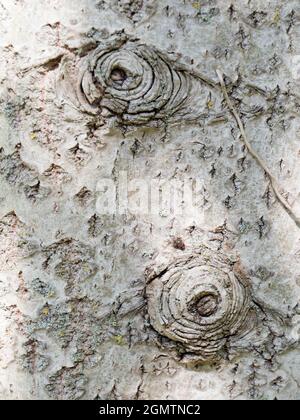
<point x="258" y="159"/>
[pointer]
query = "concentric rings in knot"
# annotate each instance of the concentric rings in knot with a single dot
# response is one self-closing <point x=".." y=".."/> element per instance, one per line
<point x="200" y="301"/>
<point x="134" y="82"/>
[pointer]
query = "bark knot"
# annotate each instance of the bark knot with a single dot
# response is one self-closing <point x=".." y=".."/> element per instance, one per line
<point x="200" y="301"/>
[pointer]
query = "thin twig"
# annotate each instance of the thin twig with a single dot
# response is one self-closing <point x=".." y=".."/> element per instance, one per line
<point x="262" y="164"/>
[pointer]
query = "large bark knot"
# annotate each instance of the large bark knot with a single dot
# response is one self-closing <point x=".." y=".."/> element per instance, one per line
<point x="138" y="84"/>
<point x="200" y="300"/>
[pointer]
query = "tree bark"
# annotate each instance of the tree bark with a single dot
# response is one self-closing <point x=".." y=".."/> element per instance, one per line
<point x="116" y="282"/>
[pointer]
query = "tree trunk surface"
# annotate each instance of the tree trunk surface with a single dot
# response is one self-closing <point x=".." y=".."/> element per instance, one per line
<point x="145" y="250"/>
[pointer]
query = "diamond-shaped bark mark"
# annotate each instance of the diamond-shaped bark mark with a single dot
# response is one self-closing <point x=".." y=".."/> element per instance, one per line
<point x="57" y="174"/>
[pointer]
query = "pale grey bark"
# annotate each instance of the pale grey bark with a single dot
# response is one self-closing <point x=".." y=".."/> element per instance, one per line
<point x="81" y="313"/>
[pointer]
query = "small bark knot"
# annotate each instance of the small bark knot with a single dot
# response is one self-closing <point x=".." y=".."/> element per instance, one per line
<point x="199" y="301"/>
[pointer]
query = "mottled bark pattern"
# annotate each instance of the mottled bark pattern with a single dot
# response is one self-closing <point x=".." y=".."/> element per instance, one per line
<point x="78" y="289"/>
